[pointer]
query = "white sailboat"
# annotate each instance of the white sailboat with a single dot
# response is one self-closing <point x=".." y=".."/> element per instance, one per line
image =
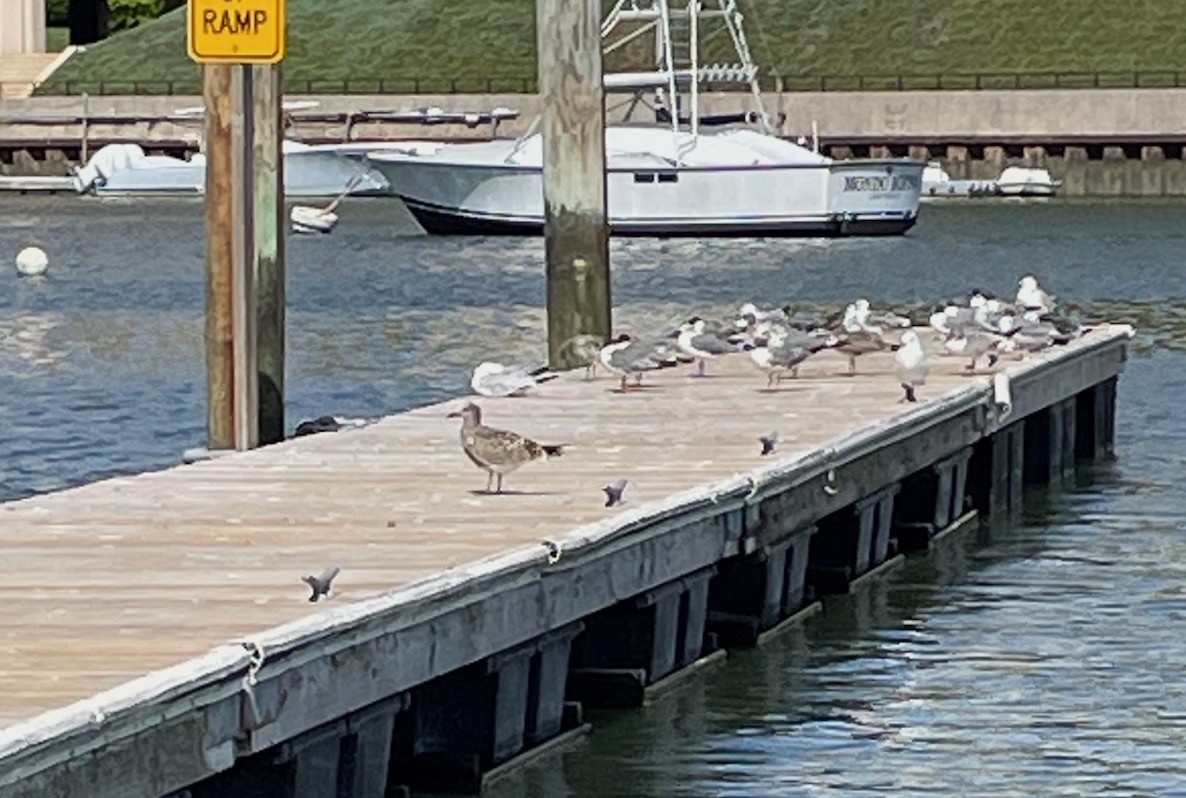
<point x="668" y="177"/>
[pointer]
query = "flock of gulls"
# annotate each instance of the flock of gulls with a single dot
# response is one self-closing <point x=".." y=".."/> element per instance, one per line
<point x="977" y="327"/>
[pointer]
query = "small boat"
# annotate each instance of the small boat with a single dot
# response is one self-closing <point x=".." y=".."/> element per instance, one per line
<point x="937" y="183"/>
<point x="1015" y="181"/>
<point x="1025" y="181"/>
<point x="667" y="177"/>
<point x="309" y="171"/>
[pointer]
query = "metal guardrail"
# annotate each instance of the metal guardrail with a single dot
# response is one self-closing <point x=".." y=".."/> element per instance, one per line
<point x="977" y="81"/>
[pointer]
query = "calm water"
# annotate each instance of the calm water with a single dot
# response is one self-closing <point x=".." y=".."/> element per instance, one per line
<point x="1041" y="659"/>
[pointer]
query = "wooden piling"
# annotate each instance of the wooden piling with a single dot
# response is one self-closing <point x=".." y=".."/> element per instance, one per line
<point x="573" y="130"/>
<point x="217" y="97"/>
<point x="269" y="268"/>
<point x="245" y="396"/>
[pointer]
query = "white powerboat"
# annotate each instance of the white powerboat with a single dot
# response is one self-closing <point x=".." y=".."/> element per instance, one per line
<point x="668" y="177"/>
<point x="1024" y="181"/>
<point x="1015" y="181"/>
<point x="937" y="183"/>
<point x="309" y="171"/>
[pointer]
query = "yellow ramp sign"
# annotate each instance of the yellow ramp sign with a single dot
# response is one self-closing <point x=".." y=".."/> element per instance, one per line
<point x="236" y="31"/>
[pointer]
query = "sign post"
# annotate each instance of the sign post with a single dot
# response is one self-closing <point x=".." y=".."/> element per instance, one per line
<point x="240" y="44"/>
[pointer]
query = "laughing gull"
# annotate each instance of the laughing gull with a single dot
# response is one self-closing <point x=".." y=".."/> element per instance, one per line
<point x="1033" y="334"/>
<point x="626" y="356"/>
<point x="781" y="355"/>
<point x="980" y="313"/>
<point x="974" y="343"/>
<point x="749" y="315"/>
<point x="322" y="583"/>
<point x="910" y="365"/>
<point x="695" y="340"/>
<point x="495" y="451"/>
<point x="1031" y="297"/>
<point x="495" y="379"/>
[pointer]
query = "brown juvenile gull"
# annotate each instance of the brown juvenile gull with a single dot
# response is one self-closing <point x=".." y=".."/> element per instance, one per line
<point x="860" y="342"/>
<point x="497" y="452"/>
<point x="586" y="348"/>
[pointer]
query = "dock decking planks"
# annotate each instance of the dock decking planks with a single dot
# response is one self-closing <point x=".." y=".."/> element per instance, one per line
<point x="108" y="581"/>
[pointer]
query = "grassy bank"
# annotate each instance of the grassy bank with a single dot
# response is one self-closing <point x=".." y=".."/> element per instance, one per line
<point x="460" y="44"/>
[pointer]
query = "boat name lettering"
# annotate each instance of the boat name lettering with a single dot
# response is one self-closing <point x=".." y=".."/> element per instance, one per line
<point x="881" y="183"/>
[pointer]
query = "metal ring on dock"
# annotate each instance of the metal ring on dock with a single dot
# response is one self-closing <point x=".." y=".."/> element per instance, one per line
<point x="830" y="482"/>
<point x="255" y="662"/>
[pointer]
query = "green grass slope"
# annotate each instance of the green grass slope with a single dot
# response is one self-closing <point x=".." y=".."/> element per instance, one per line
<point x="460" y="44"/>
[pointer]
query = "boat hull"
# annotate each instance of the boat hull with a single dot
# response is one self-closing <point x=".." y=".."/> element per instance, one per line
<point x="1027" y="189"/>
<point x="305" y="175"/>
<point x="437" y="220"/>
<point x="842" y="198"/>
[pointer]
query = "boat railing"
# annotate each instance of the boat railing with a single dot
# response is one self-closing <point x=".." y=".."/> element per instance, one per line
<point x="521" y="140"/>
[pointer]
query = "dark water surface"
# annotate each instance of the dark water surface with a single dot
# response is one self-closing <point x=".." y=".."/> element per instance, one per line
<point x="1044" y="659"/>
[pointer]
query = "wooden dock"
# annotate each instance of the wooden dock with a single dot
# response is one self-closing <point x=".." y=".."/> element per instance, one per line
<point x="161" y="618"/>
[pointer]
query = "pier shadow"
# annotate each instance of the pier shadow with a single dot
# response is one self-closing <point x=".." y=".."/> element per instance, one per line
<point x="637" y="389"/>
<point x="782" y="389"/>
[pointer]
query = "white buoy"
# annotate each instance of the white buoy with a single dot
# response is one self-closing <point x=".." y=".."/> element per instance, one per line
<point x="31" y="261"/>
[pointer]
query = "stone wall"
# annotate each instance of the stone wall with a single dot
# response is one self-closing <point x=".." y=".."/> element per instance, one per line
<point x="1100" y="142"/>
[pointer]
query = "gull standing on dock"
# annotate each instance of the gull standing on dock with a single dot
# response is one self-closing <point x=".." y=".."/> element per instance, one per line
<point x="626" y="356"/>
<point x="695" y="340"/>
<point x="781" y="355"/>
<point x="910" y="365"/>
<point x="495" y="379"/>
<point x="1031" y="297"/>
<point x="858" y="336"/>
<point x="974" y="343"/>
<point x="497" y="452"/>
<point x="587" y="350"/>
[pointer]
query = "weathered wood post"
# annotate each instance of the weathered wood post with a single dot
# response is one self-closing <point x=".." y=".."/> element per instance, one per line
<point x="269" y="251"/>
<point x="573" y="129"/>
<point x="245" y="391"/>
<point x="244" y="220"/>
<point x="220" y="220"/>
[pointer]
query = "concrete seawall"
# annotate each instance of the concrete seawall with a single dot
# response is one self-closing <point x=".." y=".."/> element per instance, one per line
<point x="1101" y="142"/>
